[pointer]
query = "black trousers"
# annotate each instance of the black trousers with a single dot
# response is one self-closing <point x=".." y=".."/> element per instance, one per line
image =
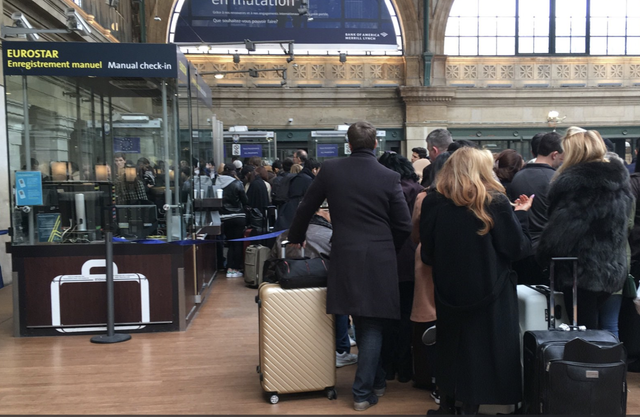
<point x="589" y="304"/>
<point x="234" y="229"/>
<point x="396" y="343"/>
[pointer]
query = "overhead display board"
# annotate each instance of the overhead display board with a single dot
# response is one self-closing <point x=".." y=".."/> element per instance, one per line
<point x="84" y="59"/>
<point x="368" y="24"/>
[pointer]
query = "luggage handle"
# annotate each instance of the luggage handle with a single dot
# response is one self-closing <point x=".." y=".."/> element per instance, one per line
<point x="552" y="304"/>
<point x="283" y="247"/>
<point x="96" y="263"/>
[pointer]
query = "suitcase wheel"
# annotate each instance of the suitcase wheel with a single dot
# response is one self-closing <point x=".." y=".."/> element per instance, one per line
<point x="273" y="399"/>
<point x="332" y="394"/>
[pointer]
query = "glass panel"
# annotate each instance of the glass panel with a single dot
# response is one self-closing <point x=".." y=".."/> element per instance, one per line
<point x="453" y="27"/>
<point x="505" y="8"/>
<point x="569" y="8"/>
<point x="451" y="46"/>
<point x="598" y="46"/>
<point x="525" y="45"/>
<point x="541" y="26"/>
<point x="541" y="45"/>
<point x="488" y="26"/>
<point x="489" y="8"/>
<point x="598" y="26"/>
<point x="616" y="46"/>
<point x="563" y="45"/>
<point x="525" y="27"/>
<point x="506" y="46"/>
<point x="600" y="8"/>
<point x="507" y="26"/>
<point x="468" y="26"/>
<point x="578" y="45"/>
<point x="633" y="26"/>
<point x="633" y="8"/>
<point x="617" y="26"/>
<point x="487" y="46"/>
<point x="93" y="140"/>
<point x="579" y="26"/>
<point x="534" y="8"/>
<point x="464" y="8"/>
<point x="468" y="46"/>
<point x="633" y="46"/>
<point x="563" y="26"/>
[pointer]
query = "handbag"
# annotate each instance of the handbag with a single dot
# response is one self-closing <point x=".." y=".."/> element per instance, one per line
<point x="301" y="272"/>
<point x="629" y="289"/>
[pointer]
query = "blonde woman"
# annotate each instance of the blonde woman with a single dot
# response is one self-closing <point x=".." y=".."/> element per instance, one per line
<point x="470" y="234"/>
<point x="590" y="203"/>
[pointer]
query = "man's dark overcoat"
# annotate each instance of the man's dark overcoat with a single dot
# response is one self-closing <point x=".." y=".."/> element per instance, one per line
<point x="370" y="220"/>
<point x="478" y="348"/>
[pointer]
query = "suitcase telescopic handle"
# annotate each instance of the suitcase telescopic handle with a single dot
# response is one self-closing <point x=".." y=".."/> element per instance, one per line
<point x="552" y="303"/>
<point x="283" y="249"/>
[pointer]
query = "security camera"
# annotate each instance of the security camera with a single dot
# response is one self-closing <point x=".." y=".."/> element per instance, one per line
<point x="291" y="120"/>
<point x="20" y="21"/>
<point x="76" y="23"/>
<point x="113" y="3"/>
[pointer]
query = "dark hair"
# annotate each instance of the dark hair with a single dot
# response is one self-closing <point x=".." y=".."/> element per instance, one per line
<point x="462" y="143"/>
<point x="119" y="155"/>
<point x="549" y="142"/>
<point x="508" y="162"/>
<point x="362" y="135"/>
<point x="312" y="163"/>
<point x="422" y="152"/>
<point x="277" y="164"/>
<point x="610" y="146"/>
<point x="287" y="164"/>
<point x="259" y="172"/>
<point x="437" y="165"/>
<point x="399" y="164"/>
<point x="439" y="138"/>
<point x="186" y="170"/>
<point x="302" y="155"/>
<point x="535" y="143"/>
<point x="256" y="161"/>
<point x="230" y="170"/>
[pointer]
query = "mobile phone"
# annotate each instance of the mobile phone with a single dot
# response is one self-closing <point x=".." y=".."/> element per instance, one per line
<point x="21" y="182"/>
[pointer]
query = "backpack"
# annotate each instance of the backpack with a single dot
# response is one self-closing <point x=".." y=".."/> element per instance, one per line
<point x="281" y="192"/>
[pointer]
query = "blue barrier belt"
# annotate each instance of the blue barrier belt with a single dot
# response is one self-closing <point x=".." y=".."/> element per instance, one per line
<point x="187" y="242"/>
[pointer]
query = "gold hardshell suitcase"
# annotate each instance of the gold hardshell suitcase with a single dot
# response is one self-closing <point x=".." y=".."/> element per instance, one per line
<point x="297" y="341"/>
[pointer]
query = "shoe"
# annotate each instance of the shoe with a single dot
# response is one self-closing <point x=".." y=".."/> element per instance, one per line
<point x="436" y="396"/>
<point x="352" y="341"/>
<point x="380" y="391"/>
<point x="404" y="379"/>
<point x="231" y="273"/>
<point x="361" y="406"/>
<point x="441" y="411"/>
<point x="429" y="336"/>
<point x="345" y="359"/>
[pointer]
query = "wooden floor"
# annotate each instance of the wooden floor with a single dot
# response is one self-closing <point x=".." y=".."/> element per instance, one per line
<point x="209" y="369"/>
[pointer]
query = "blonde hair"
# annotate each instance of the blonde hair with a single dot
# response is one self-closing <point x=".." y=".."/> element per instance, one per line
<point x="580" y="146"/>
<point x="467" y="179"/>
<point x="296" y="168"/>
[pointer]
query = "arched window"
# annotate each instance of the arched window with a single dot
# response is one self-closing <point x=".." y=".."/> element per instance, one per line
<point x="317" y="27"/>
<point x="513" y="27"/>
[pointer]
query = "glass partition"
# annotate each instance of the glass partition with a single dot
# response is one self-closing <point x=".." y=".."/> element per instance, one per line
<point x="98" y="151"/>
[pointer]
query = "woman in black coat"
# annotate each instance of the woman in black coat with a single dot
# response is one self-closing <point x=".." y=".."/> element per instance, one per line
<point x="470" y="234"/>
<point x="590" y="204"/>
<point x="396" y="344"/>
<point x="298" y="187"/>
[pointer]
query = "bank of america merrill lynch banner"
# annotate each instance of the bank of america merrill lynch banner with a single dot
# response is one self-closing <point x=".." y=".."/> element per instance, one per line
<point x="81" y="59"/>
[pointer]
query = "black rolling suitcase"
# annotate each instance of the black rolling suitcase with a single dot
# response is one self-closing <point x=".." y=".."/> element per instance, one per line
<point x="571" y="370"/>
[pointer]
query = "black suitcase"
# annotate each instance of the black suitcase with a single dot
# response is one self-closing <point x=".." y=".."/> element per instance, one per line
<point x="571" y="370"/>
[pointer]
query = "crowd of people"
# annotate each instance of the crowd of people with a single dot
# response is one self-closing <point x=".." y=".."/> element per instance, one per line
<point x="448" y="247"/>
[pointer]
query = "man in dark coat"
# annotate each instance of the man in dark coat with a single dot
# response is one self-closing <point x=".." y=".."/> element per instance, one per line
<point x="370" y="222"/>
<point x="534" y="178"/>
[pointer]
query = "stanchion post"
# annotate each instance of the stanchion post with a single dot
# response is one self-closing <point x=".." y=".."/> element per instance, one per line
<point x="111" y="336"/>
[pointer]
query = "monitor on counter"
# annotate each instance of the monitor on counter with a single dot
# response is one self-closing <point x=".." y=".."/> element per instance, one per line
<point x="136" y="222"/>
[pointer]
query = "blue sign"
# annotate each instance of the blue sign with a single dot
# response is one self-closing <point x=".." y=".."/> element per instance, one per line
<point x="247" y="151"/>
<point x="341" y="22"/>
<point x="28" y="188"/>
<point x="126" y="145"/>
<point x="327" y="150"/>
<point x="83" y="59"/>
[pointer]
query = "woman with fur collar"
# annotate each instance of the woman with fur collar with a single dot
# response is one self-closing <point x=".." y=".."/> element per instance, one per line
<point x="590" y="202"/>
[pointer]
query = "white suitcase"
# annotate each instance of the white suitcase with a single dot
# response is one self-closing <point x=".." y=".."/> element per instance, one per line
<point x="533" y="304"/>
<point x="86" y="277"/>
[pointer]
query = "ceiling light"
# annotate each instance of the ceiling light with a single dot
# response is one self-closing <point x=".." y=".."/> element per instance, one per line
<point x="218" y="76"/>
